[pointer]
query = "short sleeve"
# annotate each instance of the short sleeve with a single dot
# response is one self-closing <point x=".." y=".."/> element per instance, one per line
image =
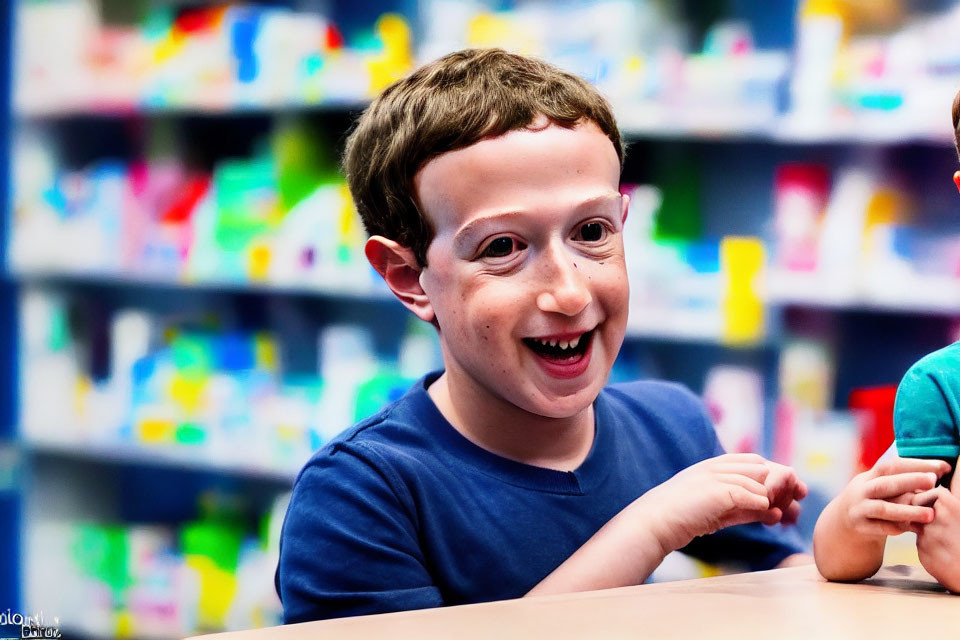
<point x="349" y="545"/>
<point x="926" y="414"/>
<point x="754" y="546"/>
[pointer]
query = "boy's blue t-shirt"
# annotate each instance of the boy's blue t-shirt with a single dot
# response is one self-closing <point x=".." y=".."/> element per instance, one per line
<point x="403" y="512"/>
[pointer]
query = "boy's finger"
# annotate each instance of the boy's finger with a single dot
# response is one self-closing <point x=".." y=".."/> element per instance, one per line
<point x="795" y="489"/>
<point x="745" y="499"/>
<point x="780" y="478"/>
<point x="927" y="498"/>
<point x="801" y="491"/>
<point x="908" y="465"/>
<point x="756" y="472"/>
<point x="772" y="516"/>
<point x="954" y="482"/>
<point x="891" y="511"/>
<point x="752" y="458"/>
<point x="782" y="496"/>
<point x="879" y="528"/>
<point x="791" y="513"/>
<point x="743" y="516"/>
<point x="790" y="478"/>
<point x="905" y="498"/>
<point x="894" y="485"/>
<point x="749" y="484"/>
<point x="787" y="489"/>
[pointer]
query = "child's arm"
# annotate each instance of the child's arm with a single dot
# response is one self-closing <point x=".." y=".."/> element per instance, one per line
<point x="703" y="498"/>
<point x="851" y="533"/>
<point x="938" y="543"/>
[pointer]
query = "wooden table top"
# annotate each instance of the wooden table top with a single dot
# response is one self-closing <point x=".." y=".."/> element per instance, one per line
<point x="900" y="602"/>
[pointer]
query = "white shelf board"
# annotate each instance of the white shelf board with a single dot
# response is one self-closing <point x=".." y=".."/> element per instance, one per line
<point x="938" y="295"/>
<point x="182" y="457"/>
<point x="687" y="326"/>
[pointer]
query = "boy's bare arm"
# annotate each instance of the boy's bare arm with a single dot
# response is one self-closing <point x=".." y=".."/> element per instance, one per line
<point x="851" y="533"/>
<point x="710" y="495"/>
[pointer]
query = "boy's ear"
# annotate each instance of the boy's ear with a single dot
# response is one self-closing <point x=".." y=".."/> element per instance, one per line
<point x="625" y="206"/>
<point x="956" y="179"/>
<point x="401" y="271"/>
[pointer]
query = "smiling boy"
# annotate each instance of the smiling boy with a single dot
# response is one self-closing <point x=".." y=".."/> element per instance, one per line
<point x="489" y="184"/>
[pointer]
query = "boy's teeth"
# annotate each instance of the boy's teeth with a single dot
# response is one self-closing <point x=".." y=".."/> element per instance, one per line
<point x="563" y="344"/>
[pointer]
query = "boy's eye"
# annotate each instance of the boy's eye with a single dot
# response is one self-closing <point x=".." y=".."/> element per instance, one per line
<point x="592" y="232"/>
<point x="500" y="247"/>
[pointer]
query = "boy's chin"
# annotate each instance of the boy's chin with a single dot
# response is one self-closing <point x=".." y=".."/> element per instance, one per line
<point x="565" y="406"/>
<point x="562" y="415"/>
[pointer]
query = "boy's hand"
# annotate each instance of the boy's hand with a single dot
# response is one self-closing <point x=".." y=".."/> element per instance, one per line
<point x="710" y="495"/>
<point x="938" y="543"/>
<point x="881" y="502"/>
<point x="721" y="492"/>
<point x="785" y="490"/>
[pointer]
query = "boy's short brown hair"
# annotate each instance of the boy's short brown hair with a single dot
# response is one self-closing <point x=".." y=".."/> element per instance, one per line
<point x="450" y="104"/>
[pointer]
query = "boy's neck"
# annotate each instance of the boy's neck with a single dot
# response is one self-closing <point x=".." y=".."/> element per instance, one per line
<point x="508" y="431"/>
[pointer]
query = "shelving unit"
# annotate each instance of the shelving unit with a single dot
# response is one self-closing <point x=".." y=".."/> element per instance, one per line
<point x="777" y="131"/>
<point x="134" y="444"/>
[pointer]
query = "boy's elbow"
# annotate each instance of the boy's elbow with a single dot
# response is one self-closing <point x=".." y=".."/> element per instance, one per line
<point x="840" y="574"/>
<point x="837" y="568"/>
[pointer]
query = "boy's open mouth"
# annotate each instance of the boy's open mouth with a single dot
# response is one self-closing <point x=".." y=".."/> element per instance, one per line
<point x="561" y="351"/>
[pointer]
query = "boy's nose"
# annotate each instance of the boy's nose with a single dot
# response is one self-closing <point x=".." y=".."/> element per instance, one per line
<point x="565" y="290"/>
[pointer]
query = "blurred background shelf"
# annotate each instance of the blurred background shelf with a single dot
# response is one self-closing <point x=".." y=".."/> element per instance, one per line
<point x="172" y="459"/>
<point x="935" y="295"/>
<point x="632" y="126"/>
<point x="191" y="110"/>
<point x="121" y="280"/>
<point x="195" y="316"/>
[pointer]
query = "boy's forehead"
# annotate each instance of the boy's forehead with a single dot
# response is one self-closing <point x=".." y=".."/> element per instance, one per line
<point x="500" y="173"/>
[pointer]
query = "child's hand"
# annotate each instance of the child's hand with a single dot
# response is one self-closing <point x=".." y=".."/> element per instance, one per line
<point x="785" y="490"/>
<point x="721" y="492"/>
<point x="938" y="543"/>
<point x="881" y="502"/>
<point x="710" y="495"/>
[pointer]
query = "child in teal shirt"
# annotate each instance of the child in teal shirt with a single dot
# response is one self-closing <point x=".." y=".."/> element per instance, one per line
<point x="917" y="492"/>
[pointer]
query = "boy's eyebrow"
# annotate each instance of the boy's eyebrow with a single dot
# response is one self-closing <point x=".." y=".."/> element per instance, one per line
<point x="465" y="233"/>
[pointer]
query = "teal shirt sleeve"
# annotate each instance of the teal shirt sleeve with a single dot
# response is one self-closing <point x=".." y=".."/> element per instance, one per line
<point x="926" y="414"/>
